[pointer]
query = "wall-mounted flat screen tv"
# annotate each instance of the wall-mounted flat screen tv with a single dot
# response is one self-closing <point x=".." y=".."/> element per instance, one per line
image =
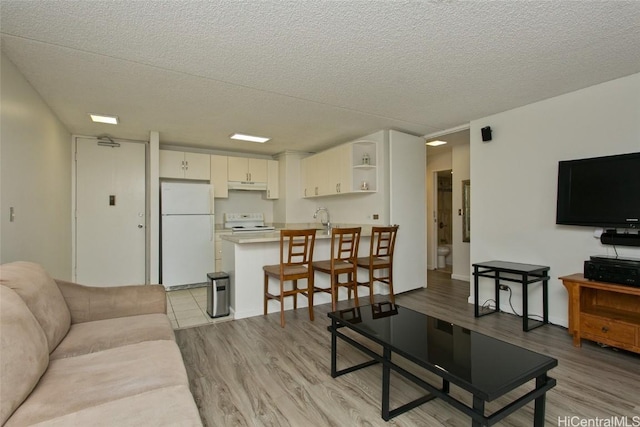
<point x="600" y="191"/>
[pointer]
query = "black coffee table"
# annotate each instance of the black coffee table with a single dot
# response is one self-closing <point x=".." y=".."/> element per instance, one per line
<point x="484" y="366"/>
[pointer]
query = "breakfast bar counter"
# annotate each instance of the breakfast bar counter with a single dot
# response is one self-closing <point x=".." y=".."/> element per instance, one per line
<point x="244" y="255"/>
<point x="274" y="236"/>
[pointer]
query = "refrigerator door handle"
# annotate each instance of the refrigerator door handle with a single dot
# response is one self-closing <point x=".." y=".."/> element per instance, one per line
<point x="212" y="209"/>
<point x="212" y="235"/>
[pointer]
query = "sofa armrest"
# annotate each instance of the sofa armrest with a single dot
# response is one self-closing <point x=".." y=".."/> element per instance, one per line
<point x="88" y="303"/>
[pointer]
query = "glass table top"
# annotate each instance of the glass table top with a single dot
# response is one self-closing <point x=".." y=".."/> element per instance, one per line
<point x="483" y="365"/>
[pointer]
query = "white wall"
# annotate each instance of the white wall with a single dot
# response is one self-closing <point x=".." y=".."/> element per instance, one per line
<point x="290" y="207"/>
<point x="280" y="206"/>
<point x="153" y="208"/>
<point x="35" y="178"/>
<point x="408" y="206"/>
<point x="514" y="178"/>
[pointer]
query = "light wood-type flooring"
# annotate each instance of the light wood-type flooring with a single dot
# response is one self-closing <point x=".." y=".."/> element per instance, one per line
<point x="252" y="372"/>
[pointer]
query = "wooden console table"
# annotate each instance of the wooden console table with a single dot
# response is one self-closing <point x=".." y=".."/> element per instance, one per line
<point x="603" y="312"/>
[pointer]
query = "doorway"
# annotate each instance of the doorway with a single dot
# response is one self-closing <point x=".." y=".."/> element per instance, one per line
<point x="110" y="212"/>
<point x="453" y="155"/>
<point x="444" y="218"/>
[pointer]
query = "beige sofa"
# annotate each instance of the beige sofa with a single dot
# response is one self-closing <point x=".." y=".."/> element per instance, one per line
<point x="72" y="355"/>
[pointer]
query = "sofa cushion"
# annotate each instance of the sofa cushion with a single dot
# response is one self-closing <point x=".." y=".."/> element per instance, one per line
<point x="89" y="303"/>
<point x="167" y="406"/>
<point x="76" y="383"/>
<point x="24" y="352"/>
<point x="41" y="294"/>
<point x="99" y="335"/>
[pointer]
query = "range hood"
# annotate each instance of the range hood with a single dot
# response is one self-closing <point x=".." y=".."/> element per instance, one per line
<point x="247" y="185"/>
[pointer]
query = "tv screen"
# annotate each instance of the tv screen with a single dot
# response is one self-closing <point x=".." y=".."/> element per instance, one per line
<point x="600" y="191"/>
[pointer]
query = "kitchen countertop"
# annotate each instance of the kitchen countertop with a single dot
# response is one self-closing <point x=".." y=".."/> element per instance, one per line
<point x="274" y="236"/>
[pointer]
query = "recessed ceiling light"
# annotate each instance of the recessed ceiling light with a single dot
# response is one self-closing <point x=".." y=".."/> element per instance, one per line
<point x="250" y="138"/>
<point x="436" y="143"/>
<point x="102" y="118"/>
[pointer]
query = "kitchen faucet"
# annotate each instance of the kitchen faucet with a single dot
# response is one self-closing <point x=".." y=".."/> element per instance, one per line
<point x="326" y="224"/>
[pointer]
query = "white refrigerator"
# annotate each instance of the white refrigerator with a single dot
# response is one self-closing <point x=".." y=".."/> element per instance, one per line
<point x="187" y="233"/>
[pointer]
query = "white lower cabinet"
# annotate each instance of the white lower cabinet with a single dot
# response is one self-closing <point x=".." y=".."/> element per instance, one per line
<point x="218" y="248"/>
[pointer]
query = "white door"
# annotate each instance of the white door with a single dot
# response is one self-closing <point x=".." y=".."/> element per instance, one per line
<point x="407" y="189"/>
<point x="110" y="213"/>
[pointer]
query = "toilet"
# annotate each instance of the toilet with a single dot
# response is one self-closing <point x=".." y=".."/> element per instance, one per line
<point x="443" y="251"/>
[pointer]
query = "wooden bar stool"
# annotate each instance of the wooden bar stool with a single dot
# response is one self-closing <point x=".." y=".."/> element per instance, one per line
<point x="383" y="241"/>
<point x="296" y="265"/>
<point x="344" y="251"/>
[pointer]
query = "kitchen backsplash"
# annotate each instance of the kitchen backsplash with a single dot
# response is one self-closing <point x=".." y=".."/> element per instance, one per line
<point x="244" y="201"/>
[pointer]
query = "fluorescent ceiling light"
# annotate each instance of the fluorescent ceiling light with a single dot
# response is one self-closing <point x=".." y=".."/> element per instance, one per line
<point x="249" y="138"/>
<point x="436" y="143"/>
<point x="101" y="118"/>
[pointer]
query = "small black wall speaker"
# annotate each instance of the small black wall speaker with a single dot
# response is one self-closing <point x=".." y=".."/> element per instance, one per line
<point x="486" y="133"/>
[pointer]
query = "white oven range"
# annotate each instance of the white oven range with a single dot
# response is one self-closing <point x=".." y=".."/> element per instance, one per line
<point x="246" y="222"/>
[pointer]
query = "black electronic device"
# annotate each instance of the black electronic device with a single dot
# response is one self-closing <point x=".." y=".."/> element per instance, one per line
<point x="624" y="271"/>
<point x="611" y="237"/>
<point x="486" y="133"/>
<point x="600" y="191"/>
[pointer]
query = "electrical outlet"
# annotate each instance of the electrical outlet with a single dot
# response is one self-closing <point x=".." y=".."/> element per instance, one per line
<point x="503" y="287"/>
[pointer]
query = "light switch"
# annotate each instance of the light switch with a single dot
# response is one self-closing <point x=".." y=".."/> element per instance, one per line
<point x="12" y="214"/>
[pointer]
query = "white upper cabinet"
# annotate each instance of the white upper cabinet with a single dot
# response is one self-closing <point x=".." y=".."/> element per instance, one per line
<point x="315" y="175"/>
<point x="181" y="165"/>
<point x="305" y="176"/>
<point x="346" y="169"/>
<point x="339" y="167"/>
<point x="219" y="176"/>
<point x="321" y="174"/>
<point x="247" y="169"/>
<point x="272" y="179"/>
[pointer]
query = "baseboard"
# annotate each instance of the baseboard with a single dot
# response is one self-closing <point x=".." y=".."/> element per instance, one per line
<point x="553" y="320"/>
<point x="459" y="277"/>
<point x="187" y="286"/>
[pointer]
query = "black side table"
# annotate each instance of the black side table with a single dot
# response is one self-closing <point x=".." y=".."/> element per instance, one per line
<point x="514" y="272"/>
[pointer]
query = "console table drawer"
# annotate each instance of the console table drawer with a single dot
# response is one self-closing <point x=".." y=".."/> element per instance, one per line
<point x="608" y="329"/>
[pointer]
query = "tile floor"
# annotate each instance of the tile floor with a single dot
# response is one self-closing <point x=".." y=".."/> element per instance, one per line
<point x="188" y="307"/>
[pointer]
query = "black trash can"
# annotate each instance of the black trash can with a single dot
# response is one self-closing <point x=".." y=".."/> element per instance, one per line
<point x="218" y="294"/>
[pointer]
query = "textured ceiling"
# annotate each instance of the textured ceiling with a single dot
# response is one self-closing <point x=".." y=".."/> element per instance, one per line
<point x="309" y="74"/>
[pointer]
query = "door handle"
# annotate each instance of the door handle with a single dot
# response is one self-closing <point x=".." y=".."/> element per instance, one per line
<point x="140" y="225"/>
